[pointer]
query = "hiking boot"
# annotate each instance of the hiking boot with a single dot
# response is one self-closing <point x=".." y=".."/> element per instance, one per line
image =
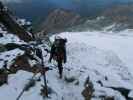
<point x="60" y="76"/>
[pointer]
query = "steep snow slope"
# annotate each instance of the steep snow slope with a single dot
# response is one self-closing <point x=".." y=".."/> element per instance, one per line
<point x="100" y="58"/>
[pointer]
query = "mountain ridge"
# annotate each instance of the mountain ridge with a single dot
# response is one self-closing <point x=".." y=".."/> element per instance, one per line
<point x="59" y="20"/>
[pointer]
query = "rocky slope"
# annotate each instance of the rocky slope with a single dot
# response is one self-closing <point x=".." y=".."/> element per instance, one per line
<point x="12" y="25"/>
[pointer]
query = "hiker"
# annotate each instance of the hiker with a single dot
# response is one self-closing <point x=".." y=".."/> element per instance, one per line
<point x="58" y="53"/>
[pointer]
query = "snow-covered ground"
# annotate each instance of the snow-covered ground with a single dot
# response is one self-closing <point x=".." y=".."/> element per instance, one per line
<point x="9" y="57"/>
<point x="105" y="58"/>
<point x="119" y="43"/>
<point x="10" y="38"/>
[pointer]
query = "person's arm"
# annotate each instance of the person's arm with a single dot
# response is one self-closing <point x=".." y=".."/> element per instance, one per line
<point x="51" y="53"/>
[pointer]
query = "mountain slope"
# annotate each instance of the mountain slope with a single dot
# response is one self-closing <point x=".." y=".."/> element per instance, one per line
<point x="59" y="20"/>
<point x="121" y="14"/>
<point x="88" y="62"/>
<point x="9" y="21"/>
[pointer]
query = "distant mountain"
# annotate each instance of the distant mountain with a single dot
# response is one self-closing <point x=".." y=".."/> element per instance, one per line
<point x="115" y="18"/>
<point x="37" y="10"/>
<point x="59" y="20"/>
<point x="122" y="14"/>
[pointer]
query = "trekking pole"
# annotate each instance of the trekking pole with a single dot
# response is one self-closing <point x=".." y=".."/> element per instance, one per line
<point x="21" y="93"/>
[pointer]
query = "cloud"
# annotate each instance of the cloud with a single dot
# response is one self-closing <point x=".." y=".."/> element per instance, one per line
<point x="8" y="1"/>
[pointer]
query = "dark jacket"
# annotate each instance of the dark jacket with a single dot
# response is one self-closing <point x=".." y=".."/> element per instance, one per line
<point x="58" y="51"/>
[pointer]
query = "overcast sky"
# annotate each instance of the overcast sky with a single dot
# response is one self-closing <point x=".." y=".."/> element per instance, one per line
<point x="6" y="1"/>
<point x="18" y="1"/>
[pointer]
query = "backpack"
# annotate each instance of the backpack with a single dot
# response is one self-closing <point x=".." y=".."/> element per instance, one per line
<point x="59" y="46"/>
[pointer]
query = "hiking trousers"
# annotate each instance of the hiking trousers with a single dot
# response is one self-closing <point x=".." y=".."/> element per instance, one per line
<point x="60" y="68"/>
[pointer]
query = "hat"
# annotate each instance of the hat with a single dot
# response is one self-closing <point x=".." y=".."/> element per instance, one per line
<point x="58" y="37"/>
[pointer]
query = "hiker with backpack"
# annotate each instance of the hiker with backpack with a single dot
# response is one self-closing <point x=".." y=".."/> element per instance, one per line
<point x="58" y="53"/>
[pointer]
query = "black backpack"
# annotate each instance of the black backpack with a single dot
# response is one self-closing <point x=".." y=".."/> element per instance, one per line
<point x="59" y="46"/>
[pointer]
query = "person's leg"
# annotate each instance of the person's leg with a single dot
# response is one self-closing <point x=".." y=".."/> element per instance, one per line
<point x="60" y="68"/>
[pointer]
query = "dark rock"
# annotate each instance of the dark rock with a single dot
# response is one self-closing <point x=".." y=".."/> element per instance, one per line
<point x="109" y="98"/>
<point x="21" y="63"/>
<point x="45" y="91"/>
<point x="89" y="89"/>
<point x="69" y="79"/>
<point x="1" y="35"/>
<point x="106" y="98"/>
<point x="100" y="82"/>
<point x="2" y="48"/>
<point x="3" y="77"/>
<point x="106" y="78"/>
<point x="11" y="46"/>
<point x="1" y="59"/>
<point x="123" y="91"/>
<point x="87" y="93"/>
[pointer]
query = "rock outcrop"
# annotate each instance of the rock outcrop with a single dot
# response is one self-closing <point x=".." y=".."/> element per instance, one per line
<point x="10" y="22"/>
